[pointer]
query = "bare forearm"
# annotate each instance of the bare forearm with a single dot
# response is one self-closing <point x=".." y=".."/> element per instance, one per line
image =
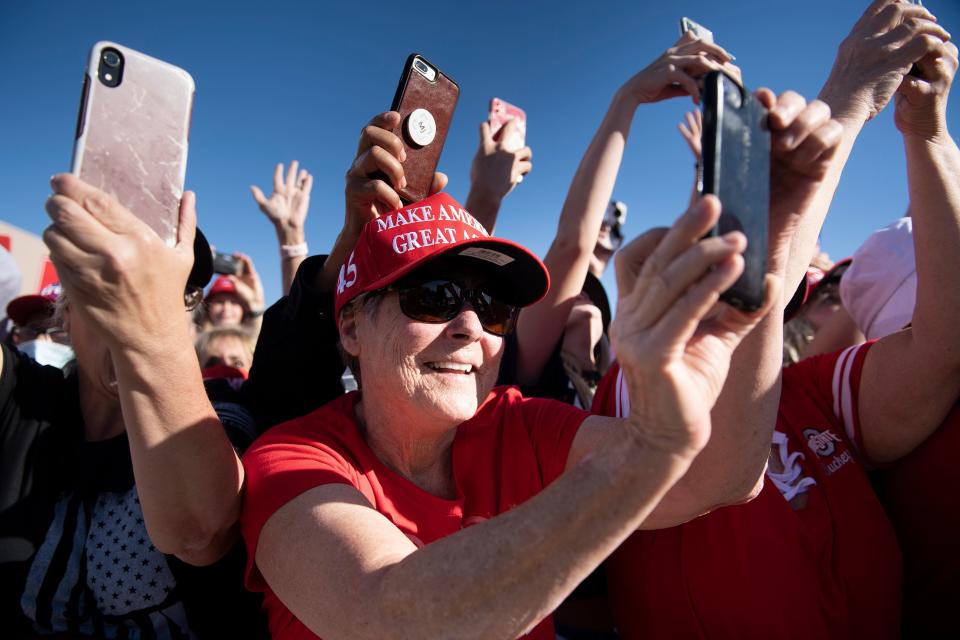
<point x="501" y="577"/>
<point x="568" y="258"/>
<point x="933" y="172"/>
<point x="484" y="208"/>
<point x="288" y="266"/>
<point x="187" y="473"/>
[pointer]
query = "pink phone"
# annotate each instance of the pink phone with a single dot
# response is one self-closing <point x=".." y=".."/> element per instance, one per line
<point x="132" y="133"/>
<point x="502" y="112"/>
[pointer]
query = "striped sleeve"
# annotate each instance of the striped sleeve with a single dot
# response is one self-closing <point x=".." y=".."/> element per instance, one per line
<point x="847" y="368"/>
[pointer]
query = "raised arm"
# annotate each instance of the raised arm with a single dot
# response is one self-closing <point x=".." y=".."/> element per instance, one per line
<point x="730" y="468"/>
<point x="672" y="74"/>
<point x="367" y="193"/>
<point x="187" y="474"/>
<point x="287" y="209"/>
<point x="495" y="171"/>
<point x="871" y="63"/>
<point x="501" y="577"/>
<point x="911" y="378"/>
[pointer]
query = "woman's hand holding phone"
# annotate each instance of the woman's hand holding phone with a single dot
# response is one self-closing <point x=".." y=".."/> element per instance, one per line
<point x="676" y="71"/>
<point x="369" y="190"/>
<point x="804" y="141"/>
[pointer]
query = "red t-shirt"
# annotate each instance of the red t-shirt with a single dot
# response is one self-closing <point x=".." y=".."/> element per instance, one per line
<point x="763" y="569"/>
<point x="508" y="452"/>
<point x="920" y="495"/>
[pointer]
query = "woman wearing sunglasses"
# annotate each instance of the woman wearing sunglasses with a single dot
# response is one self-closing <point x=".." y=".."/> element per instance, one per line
<point x="431" y="504"/>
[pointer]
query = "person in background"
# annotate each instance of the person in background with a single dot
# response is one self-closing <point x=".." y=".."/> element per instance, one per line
<point x="880" y="293"/>
<point x="814" y="555"/>
<point x="225" y="346"/>
<point x="495" y="172"/>
<point x="121" y="481"/>
<point x="559" y="349"/>
<point x="36" y="331"/>
<point x="235" y="300"/>
<point x="817" y="321"/>
<point x="287" y="209"/>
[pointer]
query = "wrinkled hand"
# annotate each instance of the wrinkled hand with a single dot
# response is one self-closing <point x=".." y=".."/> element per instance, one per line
<point x="496" y="170"/>
<point x="804" y="140"/>
<point x="380" y="150"/>
<point x="248" y="283"/>
<point x="288" y="205"/>
<point x="671" y="336"/>
<point x="692" y="132"/>
<point x="880" y="50"/>
<point x="921" y="100"/>
<point x="125" y="281"/>
<point x="676" y="71"/>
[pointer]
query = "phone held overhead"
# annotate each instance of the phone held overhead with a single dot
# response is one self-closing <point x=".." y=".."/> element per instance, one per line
<point x="132" y="133"/>
<point x="736" y="169"/>
<point x="425" y="99"/>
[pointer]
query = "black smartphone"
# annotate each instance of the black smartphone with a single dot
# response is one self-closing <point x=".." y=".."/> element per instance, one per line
<point x="736" y="169"/>
<point x="226" y="264"/>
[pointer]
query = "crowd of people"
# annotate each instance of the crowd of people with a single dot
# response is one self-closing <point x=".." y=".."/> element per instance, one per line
<point x="179" y="458"/>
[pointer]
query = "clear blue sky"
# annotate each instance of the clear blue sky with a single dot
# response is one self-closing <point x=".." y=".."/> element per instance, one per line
<point x="283" y="80"/>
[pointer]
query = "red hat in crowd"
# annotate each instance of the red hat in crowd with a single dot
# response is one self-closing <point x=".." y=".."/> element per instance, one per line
<point x="814" y="278"/>
<point x="223" y="284"/>
<point x="22" y="309"/>
<point x="398" y="242"/>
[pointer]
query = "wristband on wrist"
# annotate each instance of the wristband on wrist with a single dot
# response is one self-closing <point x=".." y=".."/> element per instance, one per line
<point x="293" y="250"/>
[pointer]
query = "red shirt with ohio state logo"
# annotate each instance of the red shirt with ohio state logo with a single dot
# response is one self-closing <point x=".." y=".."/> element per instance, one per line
<point x="508" y="452"/>
<point x="829" y="568"/>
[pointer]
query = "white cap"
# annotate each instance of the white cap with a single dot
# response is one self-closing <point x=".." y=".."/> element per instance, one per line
<point x="879" y="290"/>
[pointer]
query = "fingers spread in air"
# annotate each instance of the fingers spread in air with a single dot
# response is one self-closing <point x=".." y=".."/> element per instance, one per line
<point x="291" y="182"/>
<point x="278" y="178"/>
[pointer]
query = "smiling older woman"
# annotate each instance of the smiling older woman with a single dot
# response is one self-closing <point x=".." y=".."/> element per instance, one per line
<point x="419" y="506"/>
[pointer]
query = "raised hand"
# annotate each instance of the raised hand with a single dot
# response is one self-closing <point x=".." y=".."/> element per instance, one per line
<point x="496" y="168"/>
<point x="692" y="131"/>
<point x="672" y="338"/>
<point x="288" y="205"/>
<point x="676" y="71"/>
<point x="921" y="99"/>
<point x="249" y="286"/>
<point x="804" y="141"/>
<point x="379" y="153"/>
<point x="880" y="50"/>
<point x="128" y="284"/>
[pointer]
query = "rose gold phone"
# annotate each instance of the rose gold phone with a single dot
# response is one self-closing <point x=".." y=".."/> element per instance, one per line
<point x="132" y="133"/>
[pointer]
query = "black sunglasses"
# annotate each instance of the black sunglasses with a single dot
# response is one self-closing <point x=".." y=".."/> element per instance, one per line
<point x="438" y="301"/>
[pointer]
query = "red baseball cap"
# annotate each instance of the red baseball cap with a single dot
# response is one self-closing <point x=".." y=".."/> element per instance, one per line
<point x="400" y="241"/>
<point x="21" y="309"/>
<point x="223" y="284"/>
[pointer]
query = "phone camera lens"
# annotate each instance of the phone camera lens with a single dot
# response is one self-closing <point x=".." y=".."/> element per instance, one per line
<point x="111" y="59"/>
<point x="421" y="66"/>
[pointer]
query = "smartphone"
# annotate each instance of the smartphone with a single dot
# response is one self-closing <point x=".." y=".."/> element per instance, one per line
<point x="132" y="132"/>
<point x="226" y="264"/>
<point x="686" y="24"/>
<point x="736" y="169"/>
<point x="425" y="100"/>
<point x="502" y="112"/>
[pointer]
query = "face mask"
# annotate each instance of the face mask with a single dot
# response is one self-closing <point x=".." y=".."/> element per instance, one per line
<point x="46" y="352"/>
